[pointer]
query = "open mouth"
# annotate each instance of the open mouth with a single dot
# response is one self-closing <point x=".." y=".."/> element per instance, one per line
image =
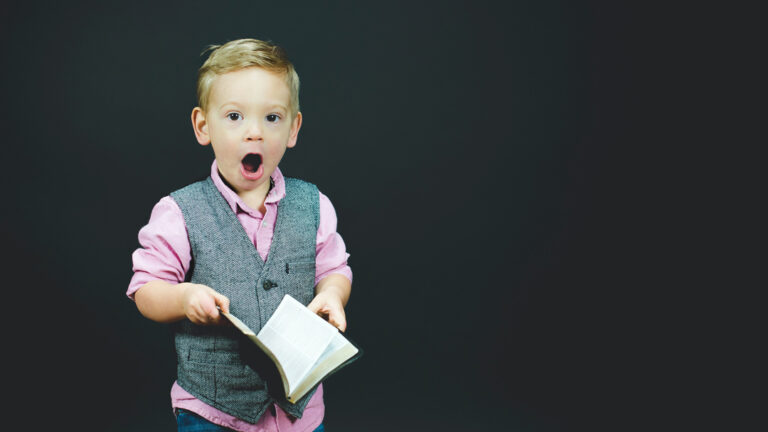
<point x="251" y="166"/>
<point x="252" y="162"/>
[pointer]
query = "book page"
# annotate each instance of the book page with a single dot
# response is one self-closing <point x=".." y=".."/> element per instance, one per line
<point x="297" y="338"/>
<point x="239" y="324"/>
<point x="337" y="343"/>
<point x="338" y="351"/>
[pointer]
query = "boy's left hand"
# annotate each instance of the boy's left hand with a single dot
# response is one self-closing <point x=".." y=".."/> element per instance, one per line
<point x="329" y="306"/>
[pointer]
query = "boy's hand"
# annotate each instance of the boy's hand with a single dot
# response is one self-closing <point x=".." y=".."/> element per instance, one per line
<point x="329" y="306"/>
<point x="199" y="303"/>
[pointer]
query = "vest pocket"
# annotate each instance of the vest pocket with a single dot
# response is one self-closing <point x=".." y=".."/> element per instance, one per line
<point x="237" y="377"/>
<point x="300" y="280"/>
<point x="210" y="357"/>
<point x="299" y="267"/>
<point x="222" y="377"/>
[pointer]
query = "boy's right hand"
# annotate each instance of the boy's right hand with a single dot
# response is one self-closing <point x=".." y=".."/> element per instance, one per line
<point x="200" y="302"/>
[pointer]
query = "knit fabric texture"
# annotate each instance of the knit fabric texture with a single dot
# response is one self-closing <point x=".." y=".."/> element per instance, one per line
<point x="216" y="363"/>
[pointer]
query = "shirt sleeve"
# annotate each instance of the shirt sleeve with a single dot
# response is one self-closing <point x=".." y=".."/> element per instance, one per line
<point x="331" y="255"/>
<point x="165" y="253"/>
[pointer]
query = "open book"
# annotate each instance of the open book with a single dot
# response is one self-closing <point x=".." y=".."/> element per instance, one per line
<point x="304" y="347"/>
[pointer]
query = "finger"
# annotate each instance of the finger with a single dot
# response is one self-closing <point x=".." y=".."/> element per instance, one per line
<point x="197" y="315"/>
<point x="222" y="301"/>
<point x="208" y="306"/>
<point x="324" y="312"/>
<point x="337" y="319"/>
<point x="204" y="313"/>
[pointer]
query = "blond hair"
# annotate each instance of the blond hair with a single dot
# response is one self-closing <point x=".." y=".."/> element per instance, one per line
<point x="244" y="53"/>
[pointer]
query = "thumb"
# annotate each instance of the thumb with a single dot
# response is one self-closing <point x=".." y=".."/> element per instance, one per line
<point x="314" y="305"/>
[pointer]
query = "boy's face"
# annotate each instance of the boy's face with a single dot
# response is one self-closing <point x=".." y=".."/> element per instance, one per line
<point x="249" y="124"/>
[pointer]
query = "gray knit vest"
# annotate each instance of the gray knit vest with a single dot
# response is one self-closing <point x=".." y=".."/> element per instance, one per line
<point x="212" y="360"/>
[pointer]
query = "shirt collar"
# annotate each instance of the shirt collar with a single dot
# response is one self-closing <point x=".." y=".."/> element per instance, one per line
<point x="275" y="194"/>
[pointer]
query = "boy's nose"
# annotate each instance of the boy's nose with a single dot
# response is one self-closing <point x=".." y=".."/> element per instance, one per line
<point x="253" y="132"/>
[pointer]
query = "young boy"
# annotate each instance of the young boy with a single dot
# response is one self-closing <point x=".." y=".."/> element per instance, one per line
<point x="239" y="241"/>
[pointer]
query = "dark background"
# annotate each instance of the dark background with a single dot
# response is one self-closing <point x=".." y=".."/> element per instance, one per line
<point x="508" y="178"/>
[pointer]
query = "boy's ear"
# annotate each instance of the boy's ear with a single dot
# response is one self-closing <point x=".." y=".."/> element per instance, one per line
<point x="295" y="126"/>
<point x="200" y="125"/>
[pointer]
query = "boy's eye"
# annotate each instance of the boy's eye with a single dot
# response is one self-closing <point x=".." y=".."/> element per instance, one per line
<point x="234" y="116"/>
<point x="273" y="118"/>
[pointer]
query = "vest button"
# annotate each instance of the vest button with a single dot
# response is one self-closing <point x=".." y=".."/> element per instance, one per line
<point x="268" y="284"/>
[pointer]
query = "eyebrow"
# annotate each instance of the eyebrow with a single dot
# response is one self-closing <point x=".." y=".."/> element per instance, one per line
<point x="279" y="106"/>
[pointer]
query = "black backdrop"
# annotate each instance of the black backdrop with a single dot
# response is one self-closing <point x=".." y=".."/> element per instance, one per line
<point x="498" y="173"/>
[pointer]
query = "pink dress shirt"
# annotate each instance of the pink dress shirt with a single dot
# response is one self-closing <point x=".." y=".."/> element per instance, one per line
<point x="166" y="255"/>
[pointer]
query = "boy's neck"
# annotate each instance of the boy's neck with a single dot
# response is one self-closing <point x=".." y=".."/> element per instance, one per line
<point x="252" y="198"/>
<point x="255" y="198"/>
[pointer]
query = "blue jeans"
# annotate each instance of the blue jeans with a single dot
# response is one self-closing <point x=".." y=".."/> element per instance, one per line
<point x="191" y="422"/>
